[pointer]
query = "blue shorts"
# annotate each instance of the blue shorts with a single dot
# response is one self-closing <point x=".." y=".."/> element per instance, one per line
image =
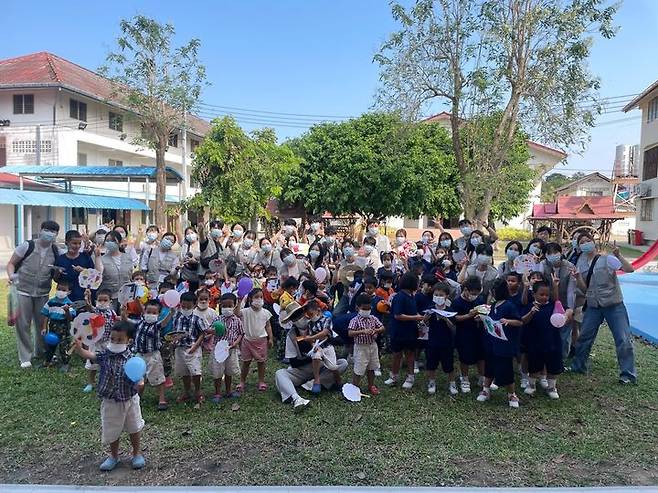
<point x="441" y="354"/>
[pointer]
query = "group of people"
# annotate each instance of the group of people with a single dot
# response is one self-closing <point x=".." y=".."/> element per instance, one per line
<point x="317" y="302"/>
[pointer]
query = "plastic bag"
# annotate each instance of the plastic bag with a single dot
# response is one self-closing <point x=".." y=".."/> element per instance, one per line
<point x="12" y="306"/>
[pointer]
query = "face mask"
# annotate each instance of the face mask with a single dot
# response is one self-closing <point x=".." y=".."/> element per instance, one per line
<point x="166" y="244"/>
<point x="314" y="254"/>
<point x="191" y="237"/>
<point x="203" y="305"/>
<point x="369" y="249"/>
<point x="257" y="303"/>
<point x="388" y="285"/>
<point x="511" y="254"/>
<point x="47" y="236"/>
<point x="266" y="248"/>
<point x="426" y="239"/>
<point x="99" y="239"/>
<point x="248" y="243"/>
<point x="103" y="305"/>
<point x="348" y="251"/>
<point x="316" y="318"/>
<point x="315" y="227"/>
<point x="439" y="300"/>
<point x="554" y="258"/>
<point x="466" y="230"/>
<point x="61" y="294"/>
<point x="364" y="313"/>
<point x="151" y="237"/>
<point x="116" y="348"/>
<point x="238" y="233"/>
<point x="446" y="263"/>
<point x="475" y="241"/>
<point x="111" y="246"/>
<point x="587" y="247"/>
<point x="373" y="231"/>
<point x="215" y="232"/>
<point x="289" y="259"/>
<point x="301" y="323"/>
<point x="445" y="243"/>
<point x="150" y="318"/>
<point x="483" y="259"/>
<point x="209" y="282"/>
<point x="330" y="240"/>
<point x="534" y="249"/>
<point x="227" y="312"/>
<point x="574" y="243"/>
<point x="400" y="240"/>
<point x="186" y="313"/>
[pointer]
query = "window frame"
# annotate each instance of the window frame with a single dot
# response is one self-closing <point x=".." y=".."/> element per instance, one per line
<point x="173" y="140"/>
<point x="77" y="113"/>
<point x="115" y="163"/>
<point x="646" y="209"/>
<point x="117" y="119"/>
<point x="23" y="110"/>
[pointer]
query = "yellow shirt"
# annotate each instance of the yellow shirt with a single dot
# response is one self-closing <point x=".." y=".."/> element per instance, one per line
<point x="285" y="299"/>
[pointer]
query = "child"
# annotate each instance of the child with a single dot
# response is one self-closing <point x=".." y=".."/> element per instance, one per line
<point x="319" y="328"/>
<point x="147" y="344"/>
<point x="208" y="280"/>
<point x="364" y="328"/>
<point x="527" y="301"/>
<point x="544" y="344"/>
<point x="188" y="355"/>
<point x="500" y="361"/>
<point x="440" y="343"/>
<point x="257" y="337"/>
<point x="167" y="348"/>
<point x="468" y="338"/>
<point x="134" y="307"/>
<point x="58" y="313"/>
<point x="270" y="286"/>
<point x="120" y="410"/>
<point x="233" y="334"/>
<point x="104" y="308"/>
<point x="404" y="329"/>
<point x="287" y="293"/>
<point x="310" y="292"/>
<point x="203" y="310"/>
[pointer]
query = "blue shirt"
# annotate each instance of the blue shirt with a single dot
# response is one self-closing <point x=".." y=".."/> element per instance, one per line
<point x="424" y="301"/>
<point x="403" y="304"/>
<point x="440" y="333"/>
<point x="54" y="308"/>
<point x="541" y="336"/>
<point x="510" y="347"/>
<point x="83" y="260"/>
<point x="467" y="330"/>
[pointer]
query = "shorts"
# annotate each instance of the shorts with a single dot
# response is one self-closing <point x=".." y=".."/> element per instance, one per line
<point x="502" y="370"/>
<point x="229" y="367"/>
<point x="440" y="354"/>
<point x="366" y="358"/>
<point x="187" y="365"/>
<point x="552" y="360"/>
<point x="470" y="348"/>
<point x="154" y="368"/>
<point x="120" y="416"/>
<point x="398" y="346"/>
<point x="254" y="350"/>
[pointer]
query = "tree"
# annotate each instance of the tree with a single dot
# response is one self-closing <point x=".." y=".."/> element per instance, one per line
<point x="554" y="181"/>
<point x="374" y="166"/>
<point x="158" y="83"/>
<point x="239" y="173"/>
<point x="526" y="59"/>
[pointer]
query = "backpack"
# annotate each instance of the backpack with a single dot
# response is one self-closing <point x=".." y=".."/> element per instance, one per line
<point x="30" y="249"/>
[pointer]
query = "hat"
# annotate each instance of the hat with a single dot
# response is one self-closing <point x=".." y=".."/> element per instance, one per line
<point x="290" y="311"/>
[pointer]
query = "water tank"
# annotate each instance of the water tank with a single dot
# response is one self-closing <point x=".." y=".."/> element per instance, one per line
<point x="623" y="160"/>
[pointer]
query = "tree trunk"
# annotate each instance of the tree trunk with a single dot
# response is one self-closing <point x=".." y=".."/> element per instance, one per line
<point x="160" y="183"/>
<point x="485" y="207"/>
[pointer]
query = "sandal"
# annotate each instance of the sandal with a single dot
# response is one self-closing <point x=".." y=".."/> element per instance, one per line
<point x="163" y="406"/>
<point x="239" y="388"/>
<point x="183" y="398"/>
<point x="262" y="387"/>
<point x="200" y="398"/>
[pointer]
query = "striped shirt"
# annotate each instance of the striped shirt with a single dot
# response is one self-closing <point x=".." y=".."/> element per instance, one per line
<point x="148" y="338"/>
<point x="112" y="380"/>
<point x="192" y="326"/>
<point x="110" y="317"/>
<point x="234" y="330"/>
<point x="54" y="308"/>
<point x="363" y="323"/>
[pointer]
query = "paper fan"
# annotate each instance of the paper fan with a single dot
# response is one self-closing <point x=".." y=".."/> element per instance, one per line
<point x="86" y="329"/>
<point x="525" y="264"/>
<point x="127" y="292"/>
<point x="221" y="351"/>
<point x="483" y="309"/>
<point x="494" y="328"/>
<point x="90" y="278"/>
<point x="352" y="393"/>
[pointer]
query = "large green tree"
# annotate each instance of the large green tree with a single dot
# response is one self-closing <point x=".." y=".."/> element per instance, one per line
<point x="158" y="83"/>
<point x="526" y="59"/>
<point x="238" y="172"/>
<point x="375" y="166"/>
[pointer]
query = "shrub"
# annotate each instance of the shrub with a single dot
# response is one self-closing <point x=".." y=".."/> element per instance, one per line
<point x="509" y="234"/>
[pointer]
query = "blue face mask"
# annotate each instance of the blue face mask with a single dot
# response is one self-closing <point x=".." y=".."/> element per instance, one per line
<point x="111" y="246"/>
<point x="348" y="251"/>
<point x="475" y="241"/>
<point x="166" y="244"/>
<point x="534" y="249"/>
<point x="554" y="258"/>
<point x="587" y="247"/>
<point x="511" y="254"/>
<point x="445" y="243"/>
<point x="466" y="230"/>
<point x="47" y="236"/>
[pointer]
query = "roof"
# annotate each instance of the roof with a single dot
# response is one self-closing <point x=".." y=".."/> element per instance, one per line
<point x="63" y="199"/>
<point x="97" y="173"/>
<point x="636" y="100"/>
<point x="134" y="194"/>
<point x="8" y="180"/>
<point x="596" y="174"/>
<point x="44" y="69"/>
<point x="577" y="208"/>
<point x="439" y="117"/>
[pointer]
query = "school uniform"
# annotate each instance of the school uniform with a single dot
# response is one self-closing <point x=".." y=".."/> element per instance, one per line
<point x="404" y="334"/>
<point x="469" y="336"/>
<point x="500" y="364"/>
<point x="544" y="344"/>
<point x="193" y="327"/>
<point x="440" y="346"/>
<point x="147" y="343"/>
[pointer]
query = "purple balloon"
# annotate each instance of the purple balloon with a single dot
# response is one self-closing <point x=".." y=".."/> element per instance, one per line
<point x="244" y="286"/>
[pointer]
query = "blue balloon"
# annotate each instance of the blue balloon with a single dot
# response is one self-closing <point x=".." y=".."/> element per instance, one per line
<point x="51" y="339"/>
<point x="328" y="314"/>
<point x="135" y="369"/>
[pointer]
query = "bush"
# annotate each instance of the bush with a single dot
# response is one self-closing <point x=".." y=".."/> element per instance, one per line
<point x="509" y="234"/>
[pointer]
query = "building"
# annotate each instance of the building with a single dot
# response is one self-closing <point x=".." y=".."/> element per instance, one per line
<point x="592" y="185"/>
<point x="56" y="113"/>
<point x="647" y="170"/>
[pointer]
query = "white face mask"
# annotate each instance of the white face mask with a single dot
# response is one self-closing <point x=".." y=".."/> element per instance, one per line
<point x="330" y="240"/>
<point x="202" y="305"/>
<point x="227" y="312"/>
<point x="209" y="282"/>
<point x="215" y="233"/>
<point x="373" y="231"/>
<point x="369" y="249"/>
<point x="61" y="294"/>
<point x="314" y="254"/>
<point x="289" y="229"/>
<point x="116" y="348"/>
<point x="103" y="305"/>
<point x="257" y="303"/>
<point x="400" y="240"/>
<point x="191" y="237"/>
<point x="364" y="313"/>
<point x="150" y="318"/>
<point x="315" y="227"/>
<point x="248" y="243"/>
<point x="186" y="313"/>
<point x="47" y="236"/>
<point x="439" y="300"/>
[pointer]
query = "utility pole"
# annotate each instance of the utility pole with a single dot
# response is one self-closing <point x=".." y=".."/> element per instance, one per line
<point x="184" y="165"/>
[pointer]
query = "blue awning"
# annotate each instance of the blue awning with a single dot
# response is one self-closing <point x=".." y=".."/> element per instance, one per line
<point x="107" y="173"/>
<point x="63" y="199"/>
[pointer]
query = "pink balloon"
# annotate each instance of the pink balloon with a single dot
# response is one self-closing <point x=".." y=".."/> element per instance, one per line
<point x="320" y="274"/>
<point x="171" y="298"/>
<point x="558" y="320"/>
<point x="244" y="286"/>
<point x="558" y="307"/>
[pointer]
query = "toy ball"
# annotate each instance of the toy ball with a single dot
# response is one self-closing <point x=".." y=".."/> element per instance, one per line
<point x="220" y="328"/>
<point x="171" y="298"/>
<point x="51" y="339"/>
<point x="135" y="369"/>
<point x="328" y="314"/>
<point x="382" y="307"/>
<point x="244" y="286"/>
<point x="558" y="320"/>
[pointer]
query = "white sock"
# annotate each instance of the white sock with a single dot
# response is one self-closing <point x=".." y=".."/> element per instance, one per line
<point x="551" y="383"/>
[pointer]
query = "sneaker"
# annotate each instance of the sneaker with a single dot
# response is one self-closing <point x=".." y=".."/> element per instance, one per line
<point x="524" y="382"/>
<point x="416" y="369"/>
<point x="513" y="401"/>
<point x="378" y="372"/>
<point x="88" y="388"/>
<point x="626" y="380"/>
<point x="138" y="462"/>
<point x="26" y="364"/>
<point x="529" y="390"/>
<point x="483" y="396"/>
<point x="300" y="403"/>
<point x="452" y="388"/>
<point x="168" y="383"/>
<point x="543" y="383"/>
<point x="373" y="390"/>
<point x="493" y="386"/>
<point x="408" y="383"/>
<point x="465" y="385"/>
<point x="392" y="380"/>
<point x="552" y="393"/>
<point x="431" y="387"/>
<point x="109" y="464"/>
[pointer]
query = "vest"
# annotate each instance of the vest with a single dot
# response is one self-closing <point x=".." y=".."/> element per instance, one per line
<point x="564" y="274"/>
<point x="113" y="277"/>
<point x="35" y="275"/>
<point x="604" y="287"/>
<point x="157" y="268"/>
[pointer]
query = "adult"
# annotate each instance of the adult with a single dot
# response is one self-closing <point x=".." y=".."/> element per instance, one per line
<point x="126" y="243"/>
<point x="316" y="254"/>
<point x="161" y="262"/>
<point x="75" y="260"/>
<point x="148" y="242"/>
<point x="315" y="231"/>
<point x="190" y="255"/>
<point x="545" y="233"/>
<point x="604" y="302"/>
<point x="382" y="243"/>
<point x="30" y="269"/>
<point x="512" y="250"/>
<point x="300" y="370"/>
<point x="267" y="255"/>
<point x="446" y="241"/>
<point x="482" y="268"/>
<point x="292" y="266"/>
<point x="330" y="242"/>
<point x="212" y="245"/>
<point x="117" y="266"/>
<point x="466" y="228"/>
<point x="246" y="254"/>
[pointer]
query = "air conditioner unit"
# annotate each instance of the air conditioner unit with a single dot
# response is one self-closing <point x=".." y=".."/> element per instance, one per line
<point x="645" y="190"/>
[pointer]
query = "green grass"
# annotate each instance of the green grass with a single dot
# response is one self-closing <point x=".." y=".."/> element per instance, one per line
<point x="598" y="433"/>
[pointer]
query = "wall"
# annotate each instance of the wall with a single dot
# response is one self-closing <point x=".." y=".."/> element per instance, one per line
<point x="648" y="139"/>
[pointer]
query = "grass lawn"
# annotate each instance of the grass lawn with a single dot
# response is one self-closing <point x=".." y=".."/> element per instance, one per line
<point x="598" y="433"/>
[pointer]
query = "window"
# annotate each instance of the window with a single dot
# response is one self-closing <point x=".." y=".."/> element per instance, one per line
<point x="78" y="110"/>
<point x="78" y="215"/>
<point x="652" y="110"/>
<point x="23" y="104"/>
<point x="194" y="144"/>
<point x="646" y="210"/>
<point x="82" y="159"/>
<point x="116" y="122"/>
<point x="114" y="162"/>
<point x="173" y="140"/>
<point x="650" y="164"/>
<point x="30" y="146"/>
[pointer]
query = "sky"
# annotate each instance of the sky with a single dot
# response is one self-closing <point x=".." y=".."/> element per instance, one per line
<point x="274" y="63"/>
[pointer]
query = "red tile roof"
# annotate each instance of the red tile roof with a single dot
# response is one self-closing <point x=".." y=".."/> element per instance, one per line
<point x="577" y="208"/>
<point x="44" y="69"/>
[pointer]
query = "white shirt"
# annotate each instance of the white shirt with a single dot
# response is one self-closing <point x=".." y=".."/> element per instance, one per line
<point x="254" y="322"/>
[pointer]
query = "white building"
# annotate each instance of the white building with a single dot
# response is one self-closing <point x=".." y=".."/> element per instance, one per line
<point x="647" y="209"/>
<point x="54" y="112"/>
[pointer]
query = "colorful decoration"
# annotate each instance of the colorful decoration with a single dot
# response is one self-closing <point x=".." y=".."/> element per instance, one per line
<point x="87" y="331"/>
<point x="135" y="369"/>
<point x="171" y="298"/>
<point x="90" y="278"/>
<point x="494" y="327"/>
<point x="558" y="318"/>
<point x="525" y="264"/>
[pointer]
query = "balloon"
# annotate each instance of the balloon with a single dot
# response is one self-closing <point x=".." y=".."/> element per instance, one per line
<point x="558" y="320"/>
<point x="220" y="328"/>
<point x="171" y="298"/>
<point x="320" y="274"/>
<point x="51" y="339"/>
<point x="135" y="369"/>
<point x="244" y="286"/>
<point x="558" y="307"/>
<point x="328" y="314"/>
<point x="221" y="351"/>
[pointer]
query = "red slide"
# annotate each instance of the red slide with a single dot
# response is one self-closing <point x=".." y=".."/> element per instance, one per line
<point x="646" y="257"/>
